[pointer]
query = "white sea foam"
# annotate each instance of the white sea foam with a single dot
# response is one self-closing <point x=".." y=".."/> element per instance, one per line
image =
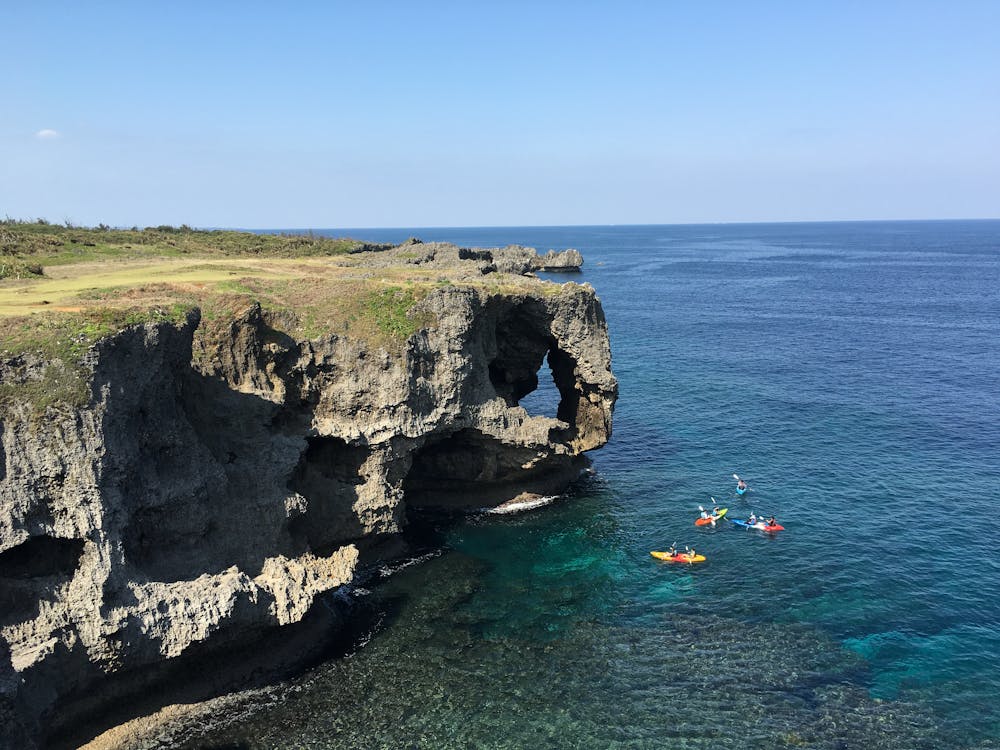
<point x="388" y="570"/>
<point x="536" y="502"/>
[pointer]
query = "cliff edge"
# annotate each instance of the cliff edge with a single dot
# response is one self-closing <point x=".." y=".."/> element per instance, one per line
<point x="214" y="483"/>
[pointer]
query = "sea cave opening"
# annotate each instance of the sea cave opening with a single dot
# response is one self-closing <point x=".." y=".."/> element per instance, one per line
<point x="543" y="384"/>
<point x="544" y="399"/>
<point x="531" y="371"/>
<point x="469" y="468"/>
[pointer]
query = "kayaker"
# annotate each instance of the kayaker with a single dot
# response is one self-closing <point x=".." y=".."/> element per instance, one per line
<point x="753" y="519"/>
<point x="741" y="485"/>
<point x="673" y="550"/>
<point x="704" y="513"/>
<point x="771" y="521"/>
<point x="715" y="511"/>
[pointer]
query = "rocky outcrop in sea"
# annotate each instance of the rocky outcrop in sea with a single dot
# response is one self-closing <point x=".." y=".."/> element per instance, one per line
<point x="199" y="513"/>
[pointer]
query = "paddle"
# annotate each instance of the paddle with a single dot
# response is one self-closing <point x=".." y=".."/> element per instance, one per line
<point x="710" y="517"/>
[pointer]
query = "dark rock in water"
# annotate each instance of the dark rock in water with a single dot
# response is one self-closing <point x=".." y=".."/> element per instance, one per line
<point x="210" y="494"/>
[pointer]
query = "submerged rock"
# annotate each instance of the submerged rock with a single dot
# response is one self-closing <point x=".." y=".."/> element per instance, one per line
<point x="211" y="493"/>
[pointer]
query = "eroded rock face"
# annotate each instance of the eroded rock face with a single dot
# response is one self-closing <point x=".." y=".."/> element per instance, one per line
<point x="191" y="507"/>
<point x="515" y="259"/>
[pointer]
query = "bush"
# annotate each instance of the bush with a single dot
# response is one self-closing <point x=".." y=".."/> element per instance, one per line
<point x="13" y="268"/>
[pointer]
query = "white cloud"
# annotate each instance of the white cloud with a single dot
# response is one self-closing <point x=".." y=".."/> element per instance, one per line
<point x="47" y="134"/>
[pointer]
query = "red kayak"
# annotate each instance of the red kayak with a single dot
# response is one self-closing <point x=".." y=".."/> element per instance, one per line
<point x="711" y="519"/>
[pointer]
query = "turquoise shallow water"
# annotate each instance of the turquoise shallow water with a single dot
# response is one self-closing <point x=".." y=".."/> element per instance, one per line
<point x="851" y="372"/>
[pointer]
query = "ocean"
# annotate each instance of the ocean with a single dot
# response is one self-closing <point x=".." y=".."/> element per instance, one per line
<point x="850" y="372"/>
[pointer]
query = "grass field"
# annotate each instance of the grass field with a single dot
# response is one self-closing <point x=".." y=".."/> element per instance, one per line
<point x="28" y="247"/>
<point x="61" y="286"/>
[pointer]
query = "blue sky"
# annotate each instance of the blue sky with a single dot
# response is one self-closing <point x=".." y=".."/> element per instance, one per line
<point x="369" y="114"/>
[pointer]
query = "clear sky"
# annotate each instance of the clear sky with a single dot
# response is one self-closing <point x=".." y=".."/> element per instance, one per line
<point x="368" y="114"/>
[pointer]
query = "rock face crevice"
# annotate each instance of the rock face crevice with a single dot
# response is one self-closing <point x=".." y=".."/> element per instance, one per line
<point x="328" y="478"/>
<point x="212" y="491"/>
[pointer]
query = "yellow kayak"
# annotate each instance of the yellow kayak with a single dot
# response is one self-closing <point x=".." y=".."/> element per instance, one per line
<point x="679" y="557"/>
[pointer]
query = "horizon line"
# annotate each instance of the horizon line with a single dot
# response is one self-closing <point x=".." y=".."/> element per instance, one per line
<point x="316" y="227"/>
<point x="618" y="224"/>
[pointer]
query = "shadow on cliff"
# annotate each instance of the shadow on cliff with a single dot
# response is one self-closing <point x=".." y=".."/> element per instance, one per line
<point x="196" y="477"/>
<point x="38" y="565"/>
<point x="210" y="477"/>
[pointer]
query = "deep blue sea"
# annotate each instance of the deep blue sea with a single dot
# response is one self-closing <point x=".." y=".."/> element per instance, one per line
<point x="851" y="373"/>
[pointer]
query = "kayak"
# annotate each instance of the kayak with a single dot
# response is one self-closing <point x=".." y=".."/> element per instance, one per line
<point x="710" y="519"/>
<point x="761" y="525"/>
<point x="680" y="557"/>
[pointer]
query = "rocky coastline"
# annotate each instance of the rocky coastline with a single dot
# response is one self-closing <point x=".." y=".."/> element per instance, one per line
<point x="201" y="510"/>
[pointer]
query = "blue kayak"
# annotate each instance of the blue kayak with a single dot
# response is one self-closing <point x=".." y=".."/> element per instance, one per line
<point x="760" y="525"/>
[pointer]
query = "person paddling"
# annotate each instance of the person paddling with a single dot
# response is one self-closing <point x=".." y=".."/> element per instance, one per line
<point x="741" y="485"/>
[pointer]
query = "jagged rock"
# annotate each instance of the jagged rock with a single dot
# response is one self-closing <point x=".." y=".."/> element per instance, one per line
<point x="567" y="260"/>
<point x="515" y="259"/>
<point x="196" y="502"/>
<point x="294" y="583"/>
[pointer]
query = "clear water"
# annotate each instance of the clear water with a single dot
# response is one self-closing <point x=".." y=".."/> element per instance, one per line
<point x="851" y="372"/>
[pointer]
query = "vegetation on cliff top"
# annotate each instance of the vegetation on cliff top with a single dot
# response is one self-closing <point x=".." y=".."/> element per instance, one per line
<point x="375" y="312"/>
<point x="60" y="341"/>
<point x="28" y="247"/>
<point x="67" y="287"/>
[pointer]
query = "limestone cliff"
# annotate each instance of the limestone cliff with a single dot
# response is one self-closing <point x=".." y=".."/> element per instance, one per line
<point x="211" y="491"/>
